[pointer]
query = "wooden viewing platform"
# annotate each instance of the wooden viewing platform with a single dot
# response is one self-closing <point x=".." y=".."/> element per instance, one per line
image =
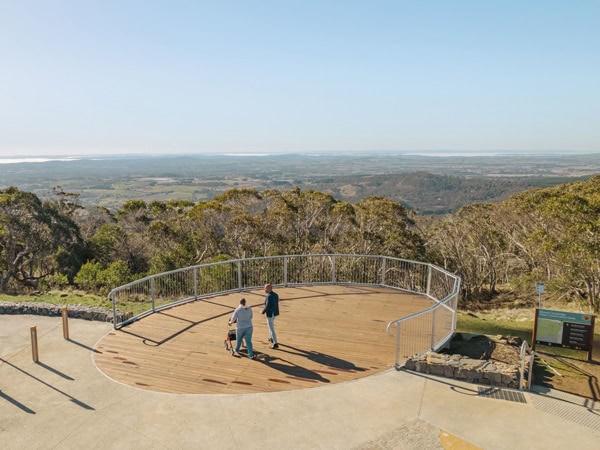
<point x="327" y="334"/>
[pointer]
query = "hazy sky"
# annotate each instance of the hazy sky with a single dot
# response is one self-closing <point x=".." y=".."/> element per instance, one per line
<point x="90" y="77"/>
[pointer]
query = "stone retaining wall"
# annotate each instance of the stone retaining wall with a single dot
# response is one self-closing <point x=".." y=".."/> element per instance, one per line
<point x="477" y="358"/>
<point x="466" y="369"/>
<point x="75" y="311"/>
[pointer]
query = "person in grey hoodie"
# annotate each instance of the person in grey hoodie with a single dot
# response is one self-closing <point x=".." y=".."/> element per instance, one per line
<point x="242" y="317"/>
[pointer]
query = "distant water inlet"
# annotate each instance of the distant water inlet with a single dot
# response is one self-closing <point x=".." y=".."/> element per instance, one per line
<point x="428" y="327"/>
<point x="34" y="160"/>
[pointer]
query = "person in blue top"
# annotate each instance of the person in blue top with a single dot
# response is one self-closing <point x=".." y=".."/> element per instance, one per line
<point x="271" y="310"/>
<point x="242" y="316"/>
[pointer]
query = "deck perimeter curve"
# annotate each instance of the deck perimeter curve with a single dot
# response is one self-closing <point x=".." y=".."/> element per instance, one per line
<point x="327" y="334"/>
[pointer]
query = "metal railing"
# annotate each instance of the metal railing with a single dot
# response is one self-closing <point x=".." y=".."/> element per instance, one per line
<point x="527" y="356"/>
<point x="416" y="333"/>
<point x="432" y="328"/>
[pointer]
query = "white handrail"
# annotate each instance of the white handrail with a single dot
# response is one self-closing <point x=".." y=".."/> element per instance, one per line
<point x="179" y="286"/>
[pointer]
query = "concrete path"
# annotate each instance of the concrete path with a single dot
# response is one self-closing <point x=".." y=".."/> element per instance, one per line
<point x="64" y="402"/>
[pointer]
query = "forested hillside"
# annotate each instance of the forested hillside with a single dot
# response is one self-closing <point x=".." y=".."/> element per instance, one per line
<point x="57" y="243"/>
<point x="543" y="235"/>
<point x="548" y="235"/>
<point x="427" y="193"/>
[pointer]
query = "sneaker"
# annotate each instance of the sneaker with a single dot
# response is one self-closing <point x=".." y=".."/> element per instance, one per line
<point x="234" y="353"/>
<point x="276" y="345"/>
<point x="270" y="339"/>
<point x="252" y="357"/>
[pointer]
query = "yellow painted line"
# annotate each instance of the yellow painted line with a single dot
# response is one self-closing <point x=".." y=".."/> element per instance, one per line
<point x="449" y="441"/>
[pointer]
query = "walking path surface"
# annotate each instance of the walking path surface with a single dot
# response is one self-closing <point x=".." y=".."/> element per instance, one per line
<point x="65" y="402"/>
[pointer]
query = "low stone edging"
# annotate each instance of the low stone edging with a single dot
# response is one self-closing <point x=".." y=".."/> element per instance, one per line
<point x="466" y="369"/>
<point x="450" y="363"/>
<point x="75" y="311"/>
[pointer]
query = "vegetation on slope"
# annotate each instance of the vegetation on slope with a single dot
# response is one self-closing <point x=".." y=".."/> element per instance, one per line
<point x="500" y="250"/>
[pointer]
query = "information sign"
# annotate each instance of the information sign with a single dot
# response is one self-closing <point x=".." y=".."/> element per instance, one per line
<point x="539" y="288"/>
<point x="564" y="329"/>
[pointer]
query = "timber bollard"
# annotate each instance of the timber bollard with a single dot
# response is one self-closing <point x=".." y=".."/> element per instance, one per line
<point x="34" y="344"/>
<point x="65" y="322"/>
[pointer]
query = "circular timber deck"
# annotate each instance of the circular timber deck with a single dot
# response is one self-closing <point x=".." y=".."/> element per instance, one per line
<point x="327" y="334"/>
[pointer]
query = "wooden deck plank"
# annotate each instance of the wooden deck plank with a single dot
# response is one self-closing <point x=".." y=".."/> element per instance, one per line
<point x="327" y="334"/>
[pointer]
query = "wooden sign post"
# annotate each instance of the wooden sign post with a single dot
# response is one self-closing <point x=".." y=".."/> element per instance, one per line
<point x="65" y="322"/>
<point x="34" y="344"/>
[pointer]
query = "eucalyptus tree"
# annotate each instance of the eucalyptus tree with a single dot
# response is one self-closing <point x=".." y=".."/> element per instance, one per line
<point x="470" y="244"/>
<point x="125" y="236"/>
<point x="109" y="244"/>
<point x="314" y="214"/>
<point x="278" y="225"/>
<point x="205" y="231"/>
<point x="385" y="227"/>
<point x="240" y="213"/>
<point x="35" y="238"/>
<point x="550" y="235"/>
<point x="449" y="245"/>
<point x="64" y="210"/>
<point x="168" y="233"/>
<point x="153" y="235"/>
<point x="90" y="219"/>
<point x="566" y="232"/>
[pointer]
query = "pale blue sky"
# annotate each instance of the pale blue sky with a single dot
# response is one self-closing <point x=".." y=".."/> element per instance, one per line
<point x="83" y="77"/>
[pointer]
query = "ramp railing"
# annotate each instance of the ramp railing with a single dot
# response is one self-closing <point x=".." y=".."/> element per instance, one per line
<point x="429" y="329"/>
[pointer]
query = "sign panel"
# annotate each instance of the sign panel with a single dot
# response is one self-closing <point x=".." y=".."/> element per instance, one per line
<point x="539" y="288"/>
<point x="564" y="329"/>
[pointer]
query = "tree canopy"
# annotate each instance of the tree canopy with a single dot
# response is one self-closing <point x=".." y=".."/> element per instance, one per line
<point x="549" y="235"/>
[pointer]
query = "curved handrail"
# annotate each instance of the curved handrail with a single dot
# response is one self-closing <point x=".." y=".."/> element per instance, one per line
<point x="419" y="313"/>
<point x="160" y="291"/>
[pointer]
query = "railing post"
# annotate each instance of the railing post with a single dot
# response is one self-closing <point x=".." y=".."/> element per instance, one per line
<point x="428" y="279"/>
<point x="383" y="269"/>
<point x="433" y="328"/>
<point x="285" y="271"/>
<point x="455" y="308"/>
<point x="333" y="278"/>
<point x="152" y="293"/>
<point x="397" y="344"/>
<point x="530" y="374"/>
<point x="114" y="308"/>
<point x="522" y="354"/>
<point x="195" y="283"/>
<point x="239" y="270"/>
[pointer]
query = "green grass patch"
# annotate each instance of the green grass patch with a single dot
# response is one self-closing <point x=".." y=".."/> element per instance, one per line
<point x="466" y="323"/>
<point x="523" y="328"/>
<point x="563" y="352"/>
<point x="77" y="298"/>
<point x="60" y="298"/>
<point x="551" y="363"/>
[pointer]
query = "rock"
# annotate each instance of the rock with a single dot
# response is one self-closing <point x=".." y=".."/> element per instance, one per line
<point x="448" y="371"/>
<point x="514" y="340"/>
<point x="436" y="358"/>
